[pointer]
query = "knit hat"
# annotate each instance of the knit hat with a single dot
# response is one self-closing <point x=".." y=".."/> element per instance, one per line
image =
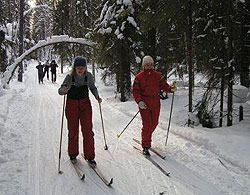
<point x="147" y="60"/>
<point x="80" y="61"/>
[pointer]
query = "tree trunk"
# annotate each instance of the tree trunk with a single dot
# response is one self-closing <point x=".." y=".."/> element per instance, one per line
<point x="152" y="43"/>
<point x="125" y="79"/>
<point x="62" y="63"/>
<point x="190" y="60"/>
<point x="223" y="56"/>
<point x="244" y="66"/>
<point x="118" y="85"/>
<point x="3" y="55"/>
<point x="125" y="82"/>
<point x="230" y="65"/>
<point x="93" y="70"/>
<point x="222" y="94"/>
<point x="21" y="30"/>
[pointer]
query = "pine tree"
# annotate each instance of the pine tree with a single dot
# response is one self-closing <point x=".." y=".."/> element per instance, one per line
<point x="161" y="36"/>
<point x="219" y="43"/>
<point x="117" y="34"/>
<point x="42" y="26"/>
<point x="61" y="26"/>
<point x="243" y="19"/>
<point x="75" y="19"/>
<point x="21" y="30"/>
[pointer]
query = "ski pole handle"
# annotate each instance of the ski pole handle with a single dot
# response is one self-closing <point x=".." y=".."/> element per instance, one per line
<point x="174" y="86"/>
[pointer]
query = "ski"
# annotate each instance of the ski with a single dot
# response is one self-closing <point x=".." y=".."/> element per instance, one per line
<point x="151" y="149"/>
<point x="77" y="169"/>
<point x="153" y="162"/>
<point x="100" y="175"/>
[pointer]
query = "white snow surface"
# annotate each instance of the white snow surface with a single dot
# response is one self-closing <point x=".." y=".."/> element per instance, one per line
<point x="240" y="94"/>
<point x="30" y="125"/>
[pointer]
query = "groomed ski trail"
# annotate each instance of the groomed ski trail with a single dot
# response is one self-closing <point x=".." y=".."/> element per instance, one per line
<point x="191" y="172"/>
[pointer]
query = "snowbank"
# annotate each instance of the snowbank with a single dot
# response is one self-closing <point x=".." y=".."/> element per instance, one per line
<point x="240" y="94"/>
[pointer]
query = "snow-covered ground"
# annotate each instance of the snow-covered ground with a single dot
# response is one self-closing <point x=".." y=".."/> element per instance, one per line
<point x="30" y="122"/>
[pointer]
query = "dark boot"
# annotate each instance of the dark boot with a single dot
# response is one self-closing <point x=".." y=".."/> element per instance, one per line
<point x="73" y="159"/>
<point x="146" y="151"/>
<point x="92" y="162"/>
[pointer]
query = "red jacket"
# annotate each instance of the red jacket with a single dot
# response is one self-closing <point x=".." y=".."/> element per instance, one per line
<point x="147" y="84"/>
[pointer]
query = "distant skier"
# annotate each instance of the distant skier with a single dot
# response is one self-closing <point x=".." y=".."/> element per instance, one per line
<point x="40" y="72"/>
<point x="146" y="87"/>
<point x="78" y="109"/>
<point x="46" y="69"/>
<point x="53" y="67"/>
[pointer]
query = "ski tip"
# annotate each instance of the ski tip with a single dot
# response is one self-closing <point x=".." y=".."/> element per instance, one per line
<point x="106" y="147"/>
<point x="60" y="172"/>
<point x="110" y="183"/>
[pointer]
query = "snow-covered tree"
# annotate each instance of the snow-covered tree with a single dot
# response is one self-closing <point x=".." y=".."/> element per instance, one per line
<point x="42" y="21"/>
<point x="10" y="27"/>
<point x="74" y="18"/>
<point x="117" y="35"/>
<point x="220" y="50"/>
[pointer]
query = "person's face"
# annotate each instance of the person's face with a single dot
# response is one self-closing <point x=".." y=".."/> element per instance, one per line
<point x="80" y="70"/>
<point x="149" y="66"/>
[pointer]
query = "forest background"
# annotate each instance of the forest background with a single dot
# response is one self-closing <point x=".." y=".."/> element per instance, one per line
<point x="185" y="37"/>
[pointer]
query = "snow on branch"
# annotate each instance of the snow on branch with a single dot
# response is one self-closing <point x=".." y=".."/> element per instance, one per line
<point x="34" y="8"/>
<point x="42" y="43"/>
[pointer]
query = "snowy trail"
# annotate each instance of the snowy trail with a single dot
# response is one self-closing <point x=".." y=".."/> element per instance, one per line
<point x="33" y="156"/>
<point x="194" y="156"/>
<point x="125" y="155"/>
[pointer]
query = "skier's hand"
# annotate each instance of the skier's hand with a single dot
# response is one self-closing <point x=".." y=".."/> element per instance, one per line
<point x="173" y="87"/>
<point x="99" y="100"/>
<point x="65" y="90"/>
<point x="142" y="105"/>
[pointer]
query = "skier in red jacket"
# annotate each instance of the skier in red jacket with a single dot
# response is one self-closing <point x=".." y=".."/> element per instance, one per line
<point x="146" y="87"/>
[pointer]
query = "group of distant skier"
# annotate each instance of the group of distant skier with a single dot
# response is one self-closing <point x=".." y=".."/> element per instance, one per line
<point x="76" y="86"/>
<point x="44" y="69"/>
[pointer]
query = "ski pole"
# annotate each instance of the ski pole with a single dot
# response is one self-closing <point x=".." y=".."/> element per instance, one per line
<point x="59" y="167"/>
<point x="118" y="135"/>
<point x="105" y="147"/>
<point x="170" y="118"/>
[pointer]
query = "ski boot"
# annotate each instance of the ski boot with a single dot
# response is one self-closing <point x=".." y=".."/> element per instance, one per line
<point x="73" y="159"/>
<point x="92" y="162"/>
<point x="146" y="151"/>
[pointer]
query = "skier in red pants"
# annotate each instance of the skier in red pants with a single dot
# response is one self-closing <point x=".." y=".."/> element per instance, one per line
<point x="78" y="109"/>
<point x="146" y="87"/>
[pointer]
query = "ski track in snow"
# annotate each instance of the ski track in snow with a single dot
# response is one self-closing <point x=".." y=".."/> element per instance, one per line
<point x="30" y="146"/>
<point x="204" y="155"/>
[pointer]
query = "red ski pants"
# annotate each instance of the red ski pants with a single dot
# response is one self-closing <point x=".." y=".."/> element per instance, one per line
<point x="150" y="118"/>
<point x="80" y="111"/>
